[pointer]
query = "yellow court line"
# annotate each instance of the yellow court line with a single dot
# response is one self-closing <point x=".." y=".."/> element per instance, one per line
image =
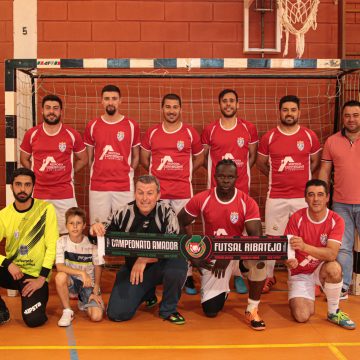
<point x="331" y="346"/>
<point x="339" y="355"/>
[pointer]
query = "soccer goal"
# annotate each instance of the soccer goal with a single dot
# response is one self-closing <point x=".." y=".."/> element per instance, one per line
<point x="322" y="85"/>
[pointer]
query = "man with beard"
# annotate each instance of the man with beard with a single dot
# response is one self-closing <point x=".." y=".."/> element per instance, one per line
<point x="172" y="151"/>
<point x="231" y="138"/>
<point x="288" y="155"/>
<point x="227" y="211"/>
<point x="54" y="151"/>
<point x="342" y="151"/>
<point x="30" y="228"/>
<point x="113" y="142"/>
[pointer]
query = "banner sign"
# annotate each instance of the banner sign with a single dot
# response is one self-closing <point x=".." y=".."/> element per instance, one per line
<point x="166" y="246"/>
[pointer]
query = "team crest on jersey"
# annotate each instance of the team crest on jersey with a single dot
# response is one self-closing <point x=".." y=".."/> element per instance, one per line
<point x="23" y="250"/>
<point x="180" y="145"/>
<point x="234" y="217"/>
<point x="120" y="135"/>
<point x="62" y="146"/>
<point x="240" y="142"/>
<point x="323" y="239"/>
<point x="300" y="145"/>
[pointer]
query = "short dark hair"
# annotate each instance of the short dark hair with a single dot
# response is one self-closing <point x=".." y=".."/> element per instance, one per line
<point x="149" y="179"/>
<point x="289" y="98"/>
<point x="226" y="162"/>
<point x="317" y="182"/>
<point x="75" y="211"/>
<point x="350" y="103"/>
<point x="23" y="171"/>
<point x="170" y="97"/>
<point x="110" y="88"/>
<point x="51" y="97"/>
<point x="227" y="91"/>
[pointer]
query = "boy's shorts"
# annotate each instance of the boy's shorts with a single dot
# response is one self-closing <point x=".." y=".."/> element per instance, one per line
<point x="76" y="288"/>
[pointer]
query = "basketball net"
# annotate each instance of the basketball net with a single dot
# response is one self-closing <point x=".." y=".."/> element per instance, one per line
<point x="297" y="17"/>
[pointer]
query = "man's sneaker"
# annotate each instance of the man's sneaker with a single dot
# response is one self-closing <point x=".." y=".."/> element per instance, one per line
<point x="254" y="320"/>
<point x="344" y="295"/>
<point x="240" y="285"/>
<point x="269" y="283"/>
<point x="342" y="319"/>
<point x="175" y="318"/>
<point x="190" y="288"/>
<point x="4" y="312"/>
<point x="149" y="303"/>
<point x="66" y="318"/>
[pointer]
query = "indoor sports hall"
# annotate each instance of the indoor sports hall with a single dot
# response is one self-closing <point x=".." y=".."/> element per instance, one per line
<point x="264" y="49"/>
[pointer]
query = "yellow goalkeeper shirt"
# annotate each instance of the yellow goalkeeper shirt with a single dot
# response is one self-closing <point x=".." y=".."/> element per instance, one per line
<point x="30" y="237"/>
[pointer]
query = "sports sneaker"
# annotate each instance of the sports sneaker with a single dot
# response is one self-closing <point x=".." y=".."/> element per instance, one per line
<point x="190" y="288"/>
<point x="342" y="319"/>
<point x="240" y="285"/>
<point x="254" y="320"/>
<point x="175" y="318"/>
<point x="344" y="295"/>
<point x="269" y="283"/>
<point x="149" y="303"/>
<point x="66" y="318"/>
<point x="4" y="312"/>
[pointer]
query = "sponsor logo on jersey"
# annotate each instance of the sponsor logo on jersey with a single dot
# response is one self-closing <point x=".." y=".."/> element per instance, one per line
<point x="120" y="135"/>
<point x="32" y="308"/>
<point x="300" y="145"/>
<point x="108" y="153"/>
<point x="323" y="239"/>
<point x="288" y="164"/>
<point x="16" y="234"/>
<point x="62" y="146"/>
<point x="49" y="164"/>
<point x="167" y="163"/>
<point x="234" y="217"/>
<point x="23" y="250"/>
<point x="180" y="145"/>
<point x="229" y="156"/>
<point x="240" y="142"/>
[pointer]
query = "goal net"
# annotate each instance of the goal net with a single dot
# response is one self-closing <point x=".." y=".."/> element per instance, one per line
<point x="321" y="91"/>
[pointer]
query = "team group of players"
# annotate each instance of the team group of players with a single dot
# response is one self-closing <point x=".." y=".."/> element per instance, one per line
<point x="171" y="151"/>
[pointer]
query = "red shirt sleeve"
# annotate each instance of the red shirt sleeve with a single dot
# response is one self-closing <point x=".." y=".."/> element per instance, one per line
<point x="26" y="143"/>
<point x="88" y="139"/>
<point x="264" y="144"/>
<point x="315" y="143"/>
<point x="252" y="209"/>
<point x="196" y="146"/>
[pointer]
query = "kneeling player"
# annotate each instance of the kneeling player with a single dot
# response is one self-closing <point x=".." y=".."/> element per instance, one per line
<point x="317" y="233"/>
<point x="225" y="210"/>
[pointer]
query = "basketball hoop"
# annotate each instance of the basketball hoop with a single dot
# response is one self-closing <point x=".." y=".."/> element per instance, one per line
<point x="297" y="17"/>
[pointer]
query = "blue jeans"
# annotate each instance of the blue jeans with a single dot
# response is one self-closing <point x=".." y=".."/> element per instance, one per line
<point x="351" y="215"/>
<point x="125" y="298"/>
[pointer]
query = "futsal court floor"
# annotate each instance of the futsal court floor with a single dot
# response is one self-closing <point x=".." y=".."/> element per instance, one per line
<point x="148" y="337"/>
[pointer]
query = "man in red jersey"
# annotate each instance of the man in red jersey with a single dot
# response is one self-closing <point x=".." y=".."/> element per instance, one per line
<point x="316" y="234"/>
<point x="231" y="138"/>
<point x="226" y="210"/>
<point x="287" y="155"/>
<point x="172" y="151"/>
<point x="112" y="142"/>
<point x="54" y="151"/>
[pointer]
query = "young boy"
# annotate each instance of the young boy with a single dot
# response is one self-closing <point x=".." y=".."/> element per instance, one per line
<point x="78" y="270"/>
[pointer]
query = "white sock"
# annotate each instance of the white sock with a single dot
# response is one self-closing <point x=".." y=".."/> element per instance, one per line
<point x="252" y="304"/>
<point x="332" y="292"/>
